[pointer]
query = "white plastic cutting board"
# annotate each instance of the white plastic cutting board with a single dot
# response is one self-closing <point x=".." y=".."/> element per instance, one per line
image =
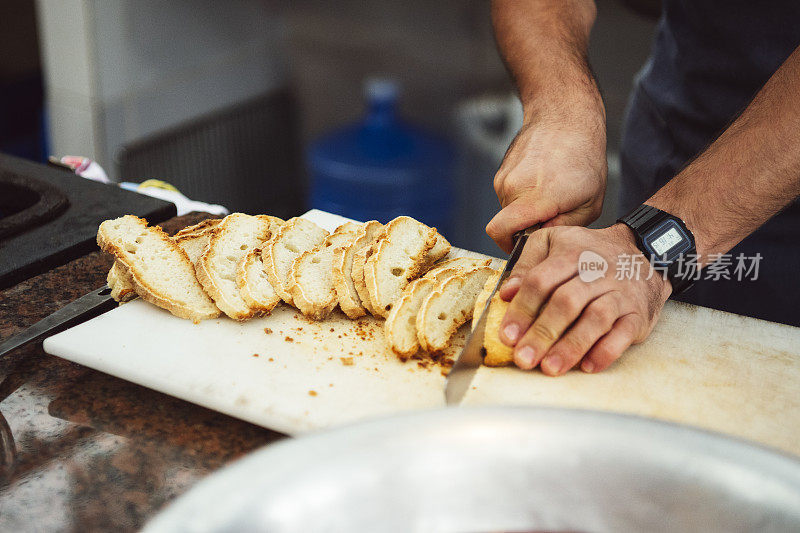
<point x="706" y="368"/>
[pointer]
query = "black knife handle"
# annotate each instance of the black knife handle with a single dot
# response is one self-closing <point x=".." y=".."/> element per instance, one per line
<point x="520" y="238"/>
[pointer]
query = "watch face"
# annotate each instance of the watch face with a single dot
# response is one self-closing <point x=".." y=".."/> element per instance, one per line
<point x="667" y="241"/>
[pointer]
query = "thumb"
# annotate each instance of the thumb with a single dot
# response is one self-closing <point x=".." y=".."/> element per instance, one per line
<point x="521" y="213"/>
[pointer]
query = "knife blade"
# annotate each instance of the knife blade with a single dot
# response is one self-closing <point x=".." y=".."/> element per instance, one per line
<point x="471" y="357"/>
<point x="80" y="310"/>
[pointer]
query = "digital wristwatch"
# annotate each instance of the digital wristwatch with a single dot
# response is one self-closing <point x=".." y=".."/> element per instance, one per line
<point x="666" y="242"/>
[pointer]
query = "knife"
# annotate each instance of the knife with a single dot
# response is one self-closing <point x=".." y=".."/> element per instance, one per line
<point x="471" y="357"/>
<point x="80" y="310"/>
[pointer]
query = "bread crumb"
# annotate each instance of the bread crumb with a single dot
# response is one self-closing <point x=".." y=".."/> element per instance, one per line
<point x="289" y="339"/>
<point x="255" y="355"/>
<point x="271" y="359"/>
<point x="267" y="331"/>
<point x="347" y="361"/>
<point x="312" y="393"/>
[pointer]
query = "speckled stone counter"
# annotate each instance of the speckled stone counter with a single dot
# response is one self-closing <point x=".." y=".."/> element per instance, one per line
<point x="85" y="451"/>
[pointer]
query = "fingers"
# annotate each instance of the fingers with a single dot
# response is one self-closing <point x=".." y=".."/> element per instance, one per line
<point x="536" y="287"/>
<point x="595" y="321"/>
<point x="610" y="346"/>
<point x="523" y="212"/>
<point x="535" y="251"/>
<point x="562" y="309"/>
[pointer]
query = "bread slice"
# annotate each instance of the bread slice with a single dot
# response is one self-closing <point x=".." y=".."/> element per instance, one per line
<point x="120" y="283"/>
<point x="295" y="236"/>
<point x="400" y="328"/>
<point x="458" y="263"/>
<point x="194" y="244"/>
<point x="159" y="270"/>
<point x="480" y="301"/>
<point x="448" y="306"/>
<point x="359" y="283"/>
<point x="399" y="256"/>
<point x="439" y="250"/>
<point x="497" y="353"/>
<point x="254" y="285"/>
<point x="342" y="268"/>
<point x="216" y="269"/>
<point x="205" y="226"/>
<point x="311" y="274"/>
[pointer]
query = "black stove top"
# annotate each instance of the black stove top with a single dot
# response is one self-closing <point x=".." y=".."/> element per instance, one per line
<point x="49" y="217"/>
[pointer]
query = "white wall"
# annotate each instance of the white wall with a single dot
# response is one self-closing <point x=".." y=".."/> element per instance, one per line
<point x="120" y="70"/>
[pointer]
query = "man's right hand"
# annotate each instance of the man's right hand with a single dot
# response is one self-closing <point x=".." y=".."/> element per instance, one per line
<point x="553" y="173"/>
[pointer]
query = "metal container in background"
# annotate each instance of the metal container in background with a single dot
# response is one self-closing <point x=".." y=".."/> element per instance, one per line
<point x="486" y="127"/>
<point x="498" y="469"/>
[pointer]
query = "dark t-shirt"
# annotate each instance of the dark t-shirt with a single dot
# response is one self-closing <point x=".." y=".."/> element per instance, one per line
<point x="711" y="57"/>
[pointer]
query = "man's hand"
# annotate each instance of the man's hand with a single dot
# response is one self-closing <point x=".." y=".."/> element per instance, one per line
<point x="556" y="320"/>
<point x="554" y="172"/>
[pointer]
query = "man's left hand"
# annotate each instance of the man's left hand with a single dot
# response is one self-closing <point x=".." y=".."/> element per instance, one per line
<point x="557" y="320"/>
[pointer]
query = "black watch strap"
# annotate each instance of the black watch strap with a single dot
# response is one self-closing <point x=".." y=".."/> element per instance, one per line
<point x="646" y="219"/>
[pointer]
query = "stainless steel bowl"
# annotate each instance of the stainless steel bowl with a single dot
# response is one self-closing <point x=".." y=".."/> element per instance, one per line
<point x="499" y="469"/>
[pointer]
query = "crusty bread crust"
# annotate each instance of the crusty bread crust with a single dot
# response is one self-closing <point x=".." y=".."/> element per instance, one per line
<point x="201" y="227"/>
<point x="400" y="328"/>
<point x="304" y="275"/>
<point x="120" y="283"/>
<point x="144" y="289"/>
<point x="480" y="301"/>
<point x="497" y="353"/>
<point x="252" y="261"/>
<point x="380" y="296"/>
<point x="342" y="268"/>
<point x="211" y="279"/>
<point x="281" y="282"/>
<point x="359" y="259"/>
<point x="401" y="335"/>
<point x="427" y="319"/>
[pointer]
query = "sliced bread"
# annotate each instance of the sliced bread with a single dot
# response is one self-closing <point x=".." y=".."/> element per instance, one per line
<point x="497" y="353"/>
<point x="448" y="306"/>
<point x="460" y="263"/>
<point x="342" y="268"/>
<point x="360" y="284"/>
<point x="399" y="256"/>
<point x="480" y="301"/>
<point x="216" y="269"/>
<point x="311" y="275"/>
<point x="254" y="285"/>
<point x="439" y="250"/>
<point x="401" y="325"/>
<point x="295" y="236"/>
<point x="159" y="270"/>
<point x="194" y="244"/>
<point x="201" y="227"/>
<point x="120" y="283"/>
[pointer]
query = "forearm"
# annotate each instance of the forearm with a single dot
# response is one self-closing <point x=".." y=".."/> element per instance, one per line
<point x="545" y="44"/>
<point x="748" y="174"/>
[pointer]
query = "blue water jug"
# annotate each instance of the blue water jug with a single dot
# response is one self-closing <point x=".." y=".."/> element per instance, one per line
<point x="382" y="167"/>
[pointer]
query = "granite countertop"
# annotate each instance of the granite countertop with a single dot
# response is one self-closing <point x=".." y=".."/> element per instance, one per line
<point x="84" y="451"/>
